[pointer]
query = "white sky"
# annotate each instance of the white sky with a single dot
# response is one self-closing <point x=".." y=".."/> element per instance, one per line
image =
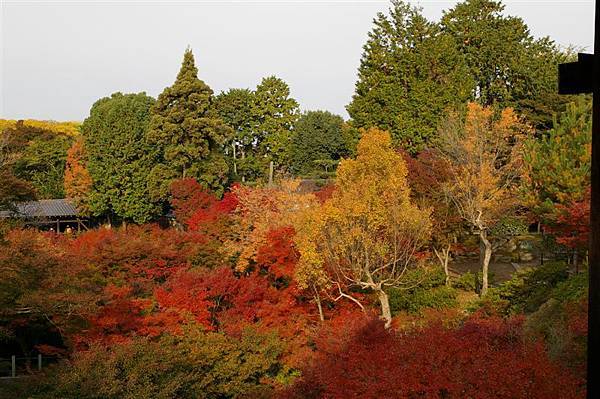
<point x="58" y="58"/>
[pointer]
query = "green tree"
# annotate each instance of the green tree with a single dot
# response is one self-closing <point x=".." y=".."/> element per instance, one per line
<point x="42" y="163"/>
<point x="36" y="153"/>
<point x="12" y="189"/>
<point x="509" y="67"/>
<point x="119" y="158"/>
<point x="235" y="108"/>
<point x="275" y="113"/>
<point x="196" y="365"/>
<point x="558" y="163"/>
<point x="188" y="133"/>
<point x="410" y="73"/>
<point x="318" y="137"/>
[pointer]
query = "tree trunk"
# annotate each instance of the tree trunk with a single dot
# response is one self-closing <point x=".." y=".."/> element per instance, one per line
<point x="576" y="261"/>
<point x="485" y="260"/>
<point x="271" y="174"/>
<point x="386" y="313"/>
<point x="319" y="306"/>
<point x="243" y="158"/>
<point x="234" y="160"/>
<point x="444" y="258"/>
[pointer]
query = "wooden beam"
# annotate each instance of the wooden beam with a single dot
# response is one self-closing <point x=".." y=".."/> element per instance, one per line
<point x="593" y="355"/>
<point x="577" y="77"/>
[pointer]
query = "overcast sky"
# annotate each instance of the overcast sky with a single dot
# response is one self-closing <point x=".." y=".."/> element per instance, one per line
<point x="60" y="57"/>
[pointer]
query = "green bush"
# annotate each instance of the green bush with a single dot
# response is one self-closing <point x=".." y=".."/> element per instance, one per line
<point x="572" y="289"/>
<point x="414" y="301"/>
<point x="537" y="286"/>
<point x="427" y="290"/>
<point x="527" y="290"/>
<point x="195" y="365"/>
<point x="559" y="325"/>
<point x="466" y="281"/>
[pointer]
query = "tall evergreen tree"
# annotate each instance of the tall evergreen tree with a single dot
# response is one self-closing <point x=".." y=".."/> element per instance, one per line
<point x="119" y="158"/>
<point x="275" y="113"/>
<point x="558" y="164"/>
<point x="317" y="138"/>
<point x="188" y="134"/>
<point x="410" y="73"/>
<point x="509" y="67"/>
<point x="235" y="108"/>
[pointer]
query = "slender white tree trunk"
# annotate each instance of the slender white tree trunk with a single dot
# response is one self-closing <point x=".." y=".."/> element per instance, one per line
<point x="386" y="312"/>
<point x="319" y="306"/>
<point x="485" y="259"/>
<point x="444" y="258"/>
<point x="234" y="159"/>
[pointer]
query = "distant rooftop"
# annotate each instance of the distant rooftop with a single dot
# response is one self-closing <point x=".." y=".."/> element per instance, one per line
<point x="50" y="208"/>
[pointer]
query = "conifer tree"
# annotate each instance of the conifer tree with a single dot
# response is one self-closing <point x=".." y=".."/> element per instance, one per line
<point x="235" y="108"/>
<point x="187" y="133"/>
<point x="558" y="164"/>
<point x="119" y="158"/>
<point x="275" y="113"/>
<point x="317" y="138"/>
<point x="410" y="73"/>
<point x="509" y="67"/>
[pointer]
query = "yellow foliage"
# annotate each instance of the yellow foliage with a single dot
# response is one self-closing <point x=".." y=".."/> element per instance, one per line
<point x="68" y="128"/>
<point x="366" y="234"/>
<point x="484" y="154"/>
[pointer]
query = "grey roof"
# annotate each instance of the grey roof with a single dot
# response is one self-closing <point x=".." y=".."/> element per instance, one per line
<point x="42" y="209"/>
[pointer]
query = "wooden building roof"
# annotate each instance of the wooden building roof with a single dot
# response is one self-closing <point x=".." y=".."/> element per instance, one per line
<point x="51" y="208"/>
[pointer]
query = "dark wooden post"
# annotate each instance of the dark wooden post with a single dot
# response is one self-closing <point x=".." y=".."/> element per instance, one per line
<point x="593" y="366"/>
<point x="575" y="78"/>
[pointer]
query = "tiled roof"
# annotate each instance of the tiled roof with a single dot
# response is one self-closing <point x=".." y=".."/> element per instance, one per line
<point x="42" y="209"/>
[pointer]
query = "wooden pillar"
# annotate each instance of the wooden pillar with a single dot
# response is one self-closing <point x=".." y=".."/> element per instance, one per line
<point x="13" y="361"/>
<point x="39" y="362"/>
<point x="593" y="355"/>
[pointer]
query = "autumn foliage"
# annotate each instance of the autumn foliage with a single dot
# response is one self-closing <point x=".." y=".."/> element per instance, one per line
<point x="256" y="293"/>
<point x="484" y="358"/>
<point x="78" y="181"/>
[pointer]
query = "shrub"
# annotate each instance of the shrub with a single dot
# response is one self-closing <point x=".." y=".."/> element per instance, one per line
<point x="197" y="365"/>
<point x="415" y="300"/>
<point x="485" y="358"/>
<point x="563" y="329"/>
<point x="572" y="289"/>
<point x="428" y="291"/>
<point x="466" y="281"/>
<point x="528" y="290"/>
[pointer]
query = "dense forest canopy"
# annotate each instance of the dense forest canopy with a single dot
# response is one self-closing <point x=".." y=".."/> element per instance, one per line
<point x="236" y="246"/>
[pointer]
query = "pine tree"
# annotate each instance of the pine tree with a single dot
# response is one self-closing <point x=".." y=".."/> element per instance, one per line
<point x="509" y="67"/>
<point x="235" y="108"/>
<point x="119" y="158"/>
<point x="275" y="113"/>
<point x="410" y="73"/>
<point x="187" y="133"/>
<point x="317" y="138"/>
<point x="558" y="164"/>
